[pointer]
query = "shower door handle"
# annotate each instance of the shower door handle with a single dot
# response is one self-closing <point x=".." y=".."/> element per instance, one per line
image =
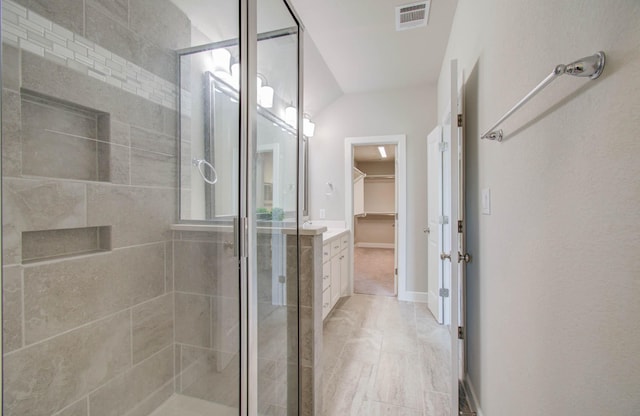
<point x="235" y="236"/>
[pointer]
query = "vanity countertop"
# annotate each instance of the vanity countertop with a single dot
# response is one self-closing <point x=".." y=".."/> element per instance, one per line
<point x="333" y="233"/>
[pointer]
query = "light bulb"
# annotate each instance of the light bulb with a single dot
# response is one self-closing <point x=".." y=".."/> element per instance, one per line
<point x="235" y="75"/>
<point x="291" y="116"/>
<point x="308" y="127"/>
<point x="265" y="96"/>
<point x="221" y="59"/>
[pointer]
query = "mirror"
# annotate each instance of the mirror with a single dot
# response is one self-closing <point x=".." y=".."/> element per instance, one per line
<point x="210" y="136"/>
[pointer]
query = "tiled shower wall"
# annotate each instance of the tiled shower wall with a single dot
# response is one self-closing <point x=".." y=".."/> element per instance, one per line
<point x="89" y="178"/>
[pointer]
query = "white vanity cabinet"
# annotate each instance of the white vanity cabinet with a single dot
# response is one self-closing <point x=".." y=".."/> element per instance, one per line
<point x="335" y="270"/>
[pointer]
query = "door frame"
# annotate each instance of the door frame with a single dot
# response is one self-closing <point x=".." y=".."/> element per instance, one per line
<point x="399" y="140"/>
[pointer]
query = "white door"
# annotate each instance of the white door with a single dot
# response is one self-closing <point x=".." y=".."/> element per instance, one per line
<point x="457" y="254"/>
<point x="434" y="232"/>
<point x="395" y="229"/>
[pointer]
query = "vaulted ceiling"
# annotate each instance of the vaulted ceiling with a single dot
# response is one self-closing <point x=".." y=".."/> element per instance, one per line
<point x="361" y="47"/>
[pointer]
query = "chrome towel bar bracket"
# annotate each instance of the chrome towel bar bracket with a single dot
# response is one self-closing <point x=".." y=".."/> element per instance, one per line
<point x="590" y="66"/>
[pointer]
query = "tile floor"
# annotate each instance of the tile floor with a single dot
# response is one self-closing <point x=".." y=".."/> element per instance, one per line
<point x="385" y="357"/>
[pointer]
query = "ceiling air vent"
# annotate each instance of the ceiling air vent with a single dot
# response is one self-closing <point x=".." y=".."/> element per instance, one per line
<point x="412" y="15"/>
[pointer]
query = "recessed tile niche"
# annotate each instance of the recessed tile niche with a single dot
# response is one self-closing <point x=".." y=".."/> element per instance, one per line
<point x="53" y="244"/>
<point x="64" y="140"/>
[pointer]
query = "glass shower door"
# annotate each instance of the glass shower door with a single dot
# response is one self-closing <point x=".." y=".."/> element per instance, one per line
<point x="274" y="195"/>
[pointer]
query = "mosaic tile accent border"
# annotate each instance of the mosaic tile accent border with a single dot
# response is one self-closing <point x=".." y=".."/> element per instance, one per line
<point x="31" y="32"/>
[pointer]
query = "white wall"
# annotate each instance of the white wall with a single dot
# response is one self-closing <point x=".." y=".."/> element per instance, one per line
<point x="554" y="287"/>
<point x="411" y="112"/>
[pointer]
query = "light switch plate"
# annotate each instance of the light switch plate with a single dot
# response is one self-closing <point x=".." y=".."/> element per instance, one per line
<point x="322" y="213"/>
<point x="486" y="201"/>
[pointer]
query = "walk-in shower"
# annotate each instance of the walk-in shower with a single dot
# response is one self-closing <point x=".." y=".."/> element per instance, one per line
<point x="148" y="179"/>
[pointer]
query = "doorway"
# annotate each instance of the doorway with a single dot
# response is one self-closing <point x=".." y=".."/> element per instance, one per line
<point x="374" y="220"/>
<point x="381" y="221"/>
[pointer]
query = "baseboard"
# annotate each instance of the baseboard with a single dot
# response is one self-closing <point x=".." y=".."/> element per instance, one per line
<point x="375" y="245"/>
<point x="432" y="300"/>
<point x="422" y="297"/>
<point x="475" y="405"/>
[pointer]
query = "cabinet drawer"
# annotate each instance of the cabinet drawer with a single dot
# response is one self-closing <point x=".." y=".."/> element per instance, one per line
<point x="326" y="252"/>
<point x="336" y="246"/>
<point x="326" y="303"/>
<point x="344" y="241"/>
<point x="326" y="275"/>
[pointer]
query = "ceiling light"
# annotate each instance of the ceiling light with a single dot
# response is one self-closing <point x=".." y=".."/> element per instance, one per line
<point x="383" y="152"/>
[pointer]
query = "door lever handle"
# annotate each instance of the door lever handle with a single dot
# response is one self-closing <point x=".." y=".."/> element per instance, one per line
<point x="466" y="257"/>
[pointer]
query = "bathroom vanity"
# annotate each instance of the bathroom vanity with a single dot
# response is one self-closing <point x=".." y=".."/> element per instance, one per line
<point x="335" y="268"/>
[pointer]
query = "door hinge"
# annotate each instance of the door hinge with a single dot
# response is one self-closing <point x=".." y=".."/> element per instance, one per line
<point x="460" y="226"/>
<point x="396" y="271"/>
<point x="443" y="219"/>
<point x="443" y="146"/>
<point x="444" y="292"/>
<point x="459" y="120"/>
<point x="460" y="332"/>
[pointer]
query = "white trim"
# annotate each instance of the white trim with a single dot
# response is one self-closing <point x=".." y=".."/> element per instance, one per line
<point x="420" y="297"/>
<point x="473" y="398"/>
<point x="401" y="180"/>
<point x="375" y="245"/>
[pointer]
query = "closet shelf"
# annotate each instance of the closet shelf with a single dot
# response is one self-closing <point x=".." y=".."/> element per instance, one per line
<point x="382" y="214"/>
<point x="380" y="177"/>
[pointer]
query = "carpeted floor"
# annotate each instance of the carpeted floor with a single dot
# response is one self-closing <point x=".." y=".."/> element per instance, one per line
<point x="373" y="271"/>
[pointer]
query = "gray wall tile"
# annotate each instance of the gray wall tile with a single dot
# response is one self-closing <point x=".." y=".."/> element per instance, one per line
<point x="113" y="163"/>
<point x="207" y="268"/>
<point x="11" y="308"/>
<point x="153" y="141"/>
<point x="80" y="408"/>
<point x="116" y="9"/>
<point x="11" y="134"/>
<point x="44" y="77"/>
<point x="153" y="401"/>
<point x="225" y="324"/>
<point x="138" y="215"/>
<point x="162" y="22"/>
<point x="118" y="132"/>
<point x="122" y="41"/>
<point x="30" y="205"/>
<point x="152" y="169"/>
<point x="124" y="392"/>
<point x="48" y="376"/>
<point x="66" y="13"/>
<point x="152" y="327"/>
<point x="10" y="67"/>
<point x="58" y="155"/>
<point x="193" y="319"/>
<point x="102" y="284"/>
<point x="42" y="245"/>
<point x="41" y="113"/>
<point x="168" y="257"/>
<point x="210" y="375"/>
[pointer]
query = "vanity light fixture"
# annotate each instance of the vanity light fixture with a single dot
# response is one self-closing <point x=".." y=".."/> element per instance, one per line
<point x="382" y="151"/>
<point x="265" y="92"/>
<point x="221" y="60"/>
<point x="308" y="127"/>
<point x="291" y="116"/>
